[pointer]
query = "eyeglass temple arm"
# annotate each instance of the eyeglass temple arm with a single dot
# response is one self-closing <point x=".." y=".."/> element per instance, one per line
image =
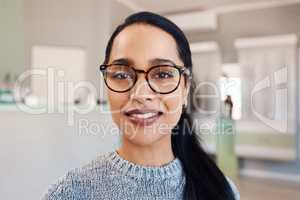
<point x="103" y="67"/>
<point x="186" y="72"/>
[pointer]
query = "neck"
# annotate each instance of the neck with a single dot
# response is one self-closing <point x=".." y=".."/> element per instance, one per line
<point x="157" y="154"/>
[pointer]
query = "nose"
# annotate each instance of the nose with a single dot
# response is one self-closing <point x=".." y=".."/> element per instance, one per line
<point x="141" y="91"/>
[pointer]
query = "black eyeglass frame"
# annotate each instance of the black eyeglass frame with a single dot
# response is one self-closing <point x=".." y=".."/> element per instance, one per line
<point x="182" y="71"/>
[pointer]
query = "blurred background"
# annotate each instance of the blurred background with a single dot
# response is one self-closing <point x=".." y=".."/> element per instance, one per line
<point x="245" y="104"/>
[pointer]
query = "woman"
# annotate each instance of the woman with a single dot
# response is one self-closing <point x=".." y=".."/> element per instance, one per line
<point x="147" y="71"/>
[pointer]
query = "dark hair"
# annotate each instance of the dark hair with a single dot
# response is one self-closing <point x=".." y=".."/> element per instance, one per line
<point x="204" y="180"/>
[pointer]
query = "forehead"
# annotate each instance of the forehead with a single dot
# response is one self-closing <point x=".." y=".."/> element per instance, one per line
<point x="142" y="43"/>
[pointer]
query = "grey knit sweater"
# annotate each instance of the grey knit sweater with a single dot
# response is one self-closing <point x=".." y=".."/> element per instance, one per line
<point x="111" y="177"/>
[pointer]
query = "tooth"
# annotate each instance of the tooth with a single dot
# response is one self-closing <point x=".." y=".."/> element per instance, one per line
<point x="143" y="116"/>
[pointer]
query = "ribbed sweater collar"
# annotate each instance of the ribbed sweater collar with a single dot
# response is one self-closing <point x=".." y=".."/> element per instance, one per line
<point x="171" y="169"/>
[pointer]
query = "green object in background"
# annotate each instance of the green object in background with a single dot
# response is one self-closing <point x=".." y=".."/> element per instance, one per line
<point x="6" y="96"/>
<point x="226" y="157"/>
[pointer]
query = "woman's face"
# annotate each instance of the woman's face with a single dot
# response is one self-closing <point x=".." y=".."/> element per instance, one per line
<point x="143" y="116"/>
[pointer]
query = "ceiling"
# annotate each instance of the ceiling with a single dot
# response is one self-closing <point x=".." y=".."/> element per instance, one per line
<point x="178" y="6"/>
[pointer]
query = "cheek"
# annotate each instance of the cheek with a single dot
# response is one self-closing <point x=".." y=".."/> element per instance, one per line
<point x="173" y="103"/>
<point x="116" y="103"/>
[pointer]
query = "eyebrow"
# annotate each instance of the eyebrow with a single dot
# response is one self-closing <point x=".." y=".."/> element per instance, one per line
<point x="152" y="62"/>
<point x="158" y="61"/>
<point x="122" y="61"/>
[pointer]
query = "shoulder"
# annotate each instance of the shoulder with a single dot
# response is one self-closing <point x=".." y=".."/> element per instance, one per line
<point x="234" y="189"/>
<point x="77" y="180"/>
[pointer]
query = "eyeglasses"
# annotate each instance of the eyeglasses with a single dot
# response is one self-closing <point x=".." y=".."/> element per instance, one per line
<point x="162" y="79"/>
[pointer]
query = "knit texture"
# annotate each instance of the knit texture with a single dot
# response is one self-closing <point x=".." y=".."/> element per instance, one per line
<point x="111" y="177"/>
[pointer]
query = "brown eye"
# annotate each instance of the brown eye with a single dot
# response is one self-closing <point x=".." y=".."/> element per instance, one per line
<point x="121" y="75"/>
<point x="163" y="75"/>
<point x="120" y="72"/>
<point x="163" y="72"/>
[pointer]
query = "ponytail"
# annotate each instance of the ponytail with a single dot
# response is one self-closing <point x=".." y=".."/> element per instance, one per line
<point x="204" y="180"/>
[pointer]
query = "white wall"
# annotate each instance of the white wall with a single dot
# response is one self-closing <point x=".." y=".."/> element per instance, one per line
<point x="36" y="150"/>
<point x="11" y="37"/>
<point x="85" y="24"/>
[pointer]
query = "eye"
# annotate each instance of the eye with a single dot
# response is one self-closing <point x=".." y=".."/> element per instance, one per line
<point x="163" y="75"/>
<point x="120" y="72"/>
<point x="121" y="75"/>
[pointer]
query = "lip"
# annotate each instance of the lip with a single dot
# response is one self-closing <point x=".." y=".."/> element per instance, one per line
<point x="143" y="117"/>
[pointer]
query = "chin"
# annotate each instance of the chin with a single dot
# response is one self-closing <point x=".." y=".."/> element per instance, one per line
<point x="145" y="139"/>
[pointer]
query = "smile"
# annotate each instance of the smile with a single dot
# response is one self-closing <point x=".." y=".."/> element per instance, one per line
<point x="143" y="117"/>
